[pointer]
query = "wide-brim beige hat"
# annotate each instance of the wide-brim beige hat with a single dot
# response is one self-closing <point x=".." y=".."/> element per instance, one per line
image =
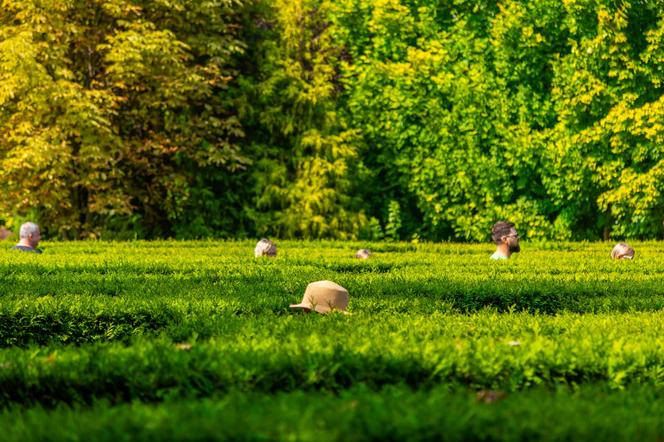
<point x="324" y="297"/>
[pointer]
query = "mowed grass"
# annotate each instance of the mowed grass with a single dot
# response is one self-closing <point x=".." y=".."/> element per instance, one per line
<point x="185" y="340"/>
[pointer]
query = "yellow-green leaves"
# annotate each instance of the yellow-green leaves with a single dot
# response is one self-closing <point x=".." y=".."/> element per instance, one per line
<point x="316" y="118"/>
<point x="308" y="157"/>
<point x="113" y="108"/>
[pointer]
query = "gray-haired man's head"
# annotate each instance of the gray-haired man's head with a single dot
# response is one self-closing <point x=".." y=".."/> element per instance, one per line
<point x="30" y="234"/>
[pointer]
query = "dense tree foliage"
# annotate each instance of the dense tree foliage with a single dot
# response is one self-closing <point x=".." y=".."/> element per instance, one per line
<point x="333" y="118"/>
<point x="111" y="108"/>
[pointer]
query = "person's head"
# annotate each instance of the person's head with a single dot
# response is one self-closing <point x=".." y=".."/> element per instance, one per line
<point x="504" y="235"/>
<point x="363" y="254"/>
<point x="265" y="247"/>
<point x="622" y="251"/>
<point x="29" y="234"/>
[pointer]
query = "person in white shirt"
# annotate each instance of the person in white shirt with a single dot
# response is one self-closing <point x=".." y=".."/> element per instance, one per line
<point x="506" y="239"/>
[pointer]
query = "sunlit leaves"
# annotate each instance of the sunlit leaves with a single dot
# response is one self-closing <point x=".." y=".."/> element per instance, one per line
<point x="101" y="108"/>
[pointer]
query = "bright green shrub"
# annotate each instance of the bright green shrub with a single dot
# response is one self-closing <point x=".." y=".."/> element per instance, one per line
<point x="359" y="414"/>
<point x="204" y="327"/>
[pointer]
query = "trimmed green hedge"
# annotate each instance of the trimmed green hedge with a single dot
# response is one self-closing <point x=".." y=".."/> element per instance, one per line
<point x="395" y="413"/>
<point x="335" y="352"/>
<point x="129" y="333"/>
<point x="89" y="292"/>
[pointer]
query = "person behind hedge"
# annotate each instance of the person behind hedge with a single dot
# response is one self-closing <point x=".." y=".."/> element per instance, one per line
<point x="265" y="247"/>
<point x="29" y="237"/>
<point x="622" y="251"/>
<point x="506" y="238"/>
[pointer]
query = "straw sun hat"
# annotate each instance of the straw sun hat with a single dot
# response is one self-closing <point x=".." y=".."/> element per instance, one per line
<point x="324" y="297"/>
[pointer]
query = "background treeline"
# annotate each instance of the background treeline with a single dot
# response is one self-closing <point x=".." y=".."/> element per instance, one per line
<point x="370" y="119"/>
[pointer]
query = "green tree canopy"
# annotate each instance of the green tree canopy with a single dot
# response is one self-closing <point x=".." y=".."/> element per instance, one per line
<point x="333" y="119"/>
